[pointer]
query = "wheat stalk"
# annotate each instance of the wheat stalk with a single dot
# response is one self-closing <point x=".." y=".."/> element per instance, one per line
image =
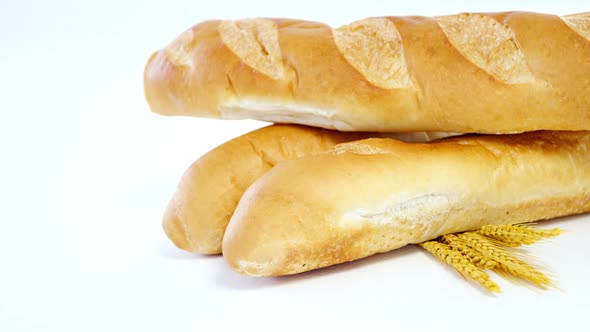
<point x="461" y="264"/>
<point x="513" y="235"/>
<point x="487" y="248"/>
<point x="506" y="261"/>
<point x="473" y="255"/>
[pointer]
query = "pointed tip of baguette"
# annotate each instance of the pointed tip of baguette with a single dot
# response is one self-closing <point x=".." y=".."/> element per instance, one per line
<point x="174" y="77"/>
<point x="253" y="257"/>
<point x="174" y="229"/>
<point x="177" y="231"/>
<point x="259" y="240"/>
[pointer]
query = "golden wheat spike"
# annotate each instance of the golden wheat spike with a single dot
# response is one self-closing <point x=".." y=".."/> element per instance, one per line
<point x="473" y="255"/>
<point x="461" y="264"/>
<point x="514" y="235"/>
<point x="506" y="261"/>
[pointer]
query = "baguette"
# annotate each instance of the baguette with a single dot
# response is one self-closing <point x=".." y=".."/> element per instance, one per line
<point x="489" y="73"/>
<point x="209" y="191"/>
<point x="376" y="195"/>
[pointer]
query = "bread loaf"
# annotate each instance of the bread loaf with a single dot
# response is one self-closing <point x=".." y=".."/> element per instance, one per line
<point x="490" y="73"/>
<point x="376" y="195"/>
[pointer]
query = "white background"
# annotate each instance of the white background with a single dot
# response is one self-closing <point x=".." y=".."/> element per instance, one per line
<point x="87" y="170"/>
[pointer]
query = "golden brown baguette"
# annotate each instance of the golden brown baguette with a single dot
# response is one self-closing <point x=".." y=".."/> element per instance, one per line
<point x="494" y="73"/>
<point x="376" y="195"/>
<point x="211" y="187"/>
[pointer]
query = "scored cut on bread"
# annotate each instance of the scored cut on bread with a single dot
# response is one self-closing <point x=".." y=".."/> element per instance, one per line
<point x="473" y="72"/>
<point x="376" y="195"/>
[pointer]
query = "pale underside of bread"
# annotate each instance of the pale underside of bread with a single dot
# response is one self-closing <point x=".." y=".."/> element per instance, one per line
<point x="495" y="73"/>
<point x="209" y="190"/>
<point x="376" y="195"/>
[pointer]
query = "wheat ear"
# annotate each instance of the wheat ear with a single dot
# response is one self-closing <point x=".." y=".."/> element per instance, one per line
<point x="513" y="235"/>
<point x="460" y="263"/>
<point x="506" y="261"/>
<point x="473" y="255"/>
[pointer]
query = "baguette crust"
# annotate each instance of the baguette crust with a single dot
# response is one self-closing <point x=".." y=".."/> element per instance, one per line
<point x="493" y="73"/>
<point x="376" y="195"/>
